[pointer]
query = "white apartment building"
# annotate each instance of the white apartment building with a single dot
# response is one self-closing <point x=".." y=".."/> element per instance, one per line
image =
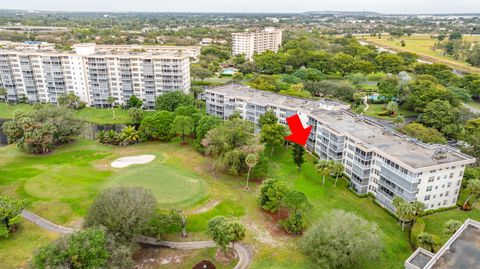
<point x="377" y="160"/>
<point x="249" y="43"/>
<point x="93" y="74"/>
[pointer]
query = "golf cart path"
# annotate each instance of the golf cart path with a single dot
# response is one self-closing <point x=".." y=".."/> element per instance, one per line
<point x="245" y="254"/>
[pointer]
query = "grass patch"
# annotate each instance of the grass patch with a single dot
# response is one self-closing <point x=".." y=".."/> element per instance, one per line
<point x="89" y="114"/>
<point x="229" y="209"/>
<point x="374" y="109"/>
<point x="434" y="223"/>
<point x="170" y="186"/>
<point x="422" y="45"/>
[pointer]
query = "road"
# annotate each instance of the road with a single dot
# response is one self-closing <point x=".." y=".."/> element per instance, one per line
<point x="244" y="252"/>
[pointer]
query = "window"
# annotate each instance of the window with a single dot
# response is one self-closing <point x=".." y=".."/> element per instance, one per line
<point x="451" y="175"/>
<point x="429" y="188"/>
<point x="430" y="179"/>
<point x="427" y="197"/>
<point x="447" y="193"/>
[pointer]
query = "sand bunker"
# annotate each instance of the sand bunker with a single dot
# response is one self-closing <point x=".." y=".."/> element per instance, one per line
<point x="127" y="161"/>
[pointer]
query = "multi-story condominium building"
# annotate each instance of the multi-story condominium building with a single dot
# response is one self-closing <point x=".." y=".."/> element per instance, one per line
<point x="377" y="159"/>
<point x="461" y="251"/>
<point x="92" y="74"/>
<point x="191" y="51"/>
<point x="249" y="43"/>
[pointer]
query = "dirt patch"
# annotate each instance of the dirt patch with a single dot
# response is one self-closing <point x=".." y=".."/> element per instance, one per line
<point x="207" y="207"/>
<point x="150" y="258"/>
<point x="225" y="257"/>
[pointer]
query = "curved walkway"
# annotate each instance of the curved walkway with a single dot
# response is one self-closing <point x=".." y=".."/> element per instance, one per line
<point x="245" y="254"/>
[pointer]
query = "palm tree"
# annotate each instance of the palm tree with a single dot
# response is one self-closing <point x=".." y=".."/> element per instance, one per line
<point x="251" y="161"/>
<point x="129" y="135"/>
<point x="418" y="209"/>
<point x="426" y="241"/>
<point x="405" y="211"/>
<point x="473" y="188"/>
<point x="3" y="93"/>
<point x="324" y="167"/>
<point x="337" y="170"/>
<point x="452" y="226"/>
<point x="111" y="101"/>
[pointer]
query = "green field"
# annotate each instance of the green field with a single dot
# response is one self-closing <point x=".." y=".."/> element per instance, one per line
<point x="90" y="114"/>
<point x="64" y="183"/>
<point x="422" y="45"/>
<point x="170" y="186"/>
<point x="374" y="109"/>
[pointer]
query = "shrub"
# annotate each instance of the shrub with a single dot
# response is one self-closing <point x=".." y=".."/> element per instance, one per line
<point x="417" y="228"/>
<point x="295" y="224"/>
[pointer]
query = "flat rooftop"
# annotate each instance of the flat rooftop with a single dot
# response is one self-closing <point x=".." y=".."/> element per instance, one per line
<point x="401" y="147"/>
<point x="270" y="98"/>
<point x="462" y="251"/>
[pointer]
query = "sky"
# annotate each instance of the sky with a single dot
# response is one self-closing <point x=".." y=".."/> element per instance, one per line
<point x="383" y="6"/>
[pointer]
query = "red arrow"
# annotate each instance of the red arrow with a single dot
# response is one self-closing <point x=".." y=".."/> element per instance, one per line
<point x="299" y="134"/>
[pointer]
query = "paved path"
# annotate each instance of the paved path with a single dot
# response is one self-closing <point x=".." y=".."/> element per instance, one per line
<point x="471" y="108"/>
<point x="45" y="224"/>
<point x="245" y="254"/>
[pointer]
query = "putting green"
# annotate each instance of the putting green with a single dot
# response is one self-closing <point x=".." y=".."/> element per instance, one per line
<point x="170" y="186"/>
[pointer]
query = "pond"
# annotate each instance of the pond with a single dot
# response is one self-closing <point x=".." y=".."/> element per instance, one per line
<point x="88" y="130"/>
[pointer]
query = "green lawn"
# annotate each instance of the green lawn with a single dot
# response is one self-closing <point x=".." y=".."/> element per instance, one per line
<point x="170" y="186"/>
<point x="64" y="183"/>
<point x="423" y="45"/>
<point x="90" y="114"/>
<point x="374" y="109"/>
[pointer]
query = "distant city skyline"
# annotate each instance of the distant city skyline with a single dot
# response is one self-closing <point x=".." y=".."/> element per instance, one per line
<point x="274" y="6"/>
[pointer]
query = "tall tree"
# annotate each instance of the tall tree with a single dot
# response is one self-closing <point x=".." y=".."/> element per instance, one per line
<point x="123" y="211"/>
<point x="224" y="232"/>
<point x="337" y="170"/>
<point x="273" y="135"/>
<point x="267" y="118"/>
<point x="134" y="101"/>
<point x="84" y="249"/>
<point x="10" y="210"/>
<point x="136" y="114"/>
<point x="183" y="125"/>
<point x="405" y="211"/>
<point x="297" y="154"/>
<point x="439" y="113"/>
<point x="172" y="100"/>
<point x="296" y="201"/>
<point x="3" y="94"/>
<point x="324" y="167"/>
<point x="271" y="196"/>
<point x="250" y="161"/>
<point x="111" y="101"/>
<point x="342" y="240"/>
<point x="473" y="189"/>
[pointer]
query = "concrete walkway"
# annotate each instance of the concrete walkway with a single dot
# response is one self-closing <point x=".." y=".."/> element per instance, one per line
<point x="245" y="254"/>
<point x="471" y="108"/>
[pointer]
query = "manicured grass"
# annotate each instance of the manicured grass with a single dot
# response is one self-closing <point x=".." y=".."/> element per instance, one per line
<point x="326" y="198"/>
<point x="17" y="249"/>
<point x="90" y="114"/>
<point x="6" y="111"/>
<point x="422" y="45"/>
<point x="435" y="223"/>
<point x="229" y="209"/>
<point x="170" y="186"/>
<point x="374" y="109"/>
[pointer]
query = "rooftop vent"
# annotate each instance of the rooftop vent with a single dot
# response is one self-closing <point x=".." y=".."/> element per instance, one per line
<point x="440" y="154"/>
